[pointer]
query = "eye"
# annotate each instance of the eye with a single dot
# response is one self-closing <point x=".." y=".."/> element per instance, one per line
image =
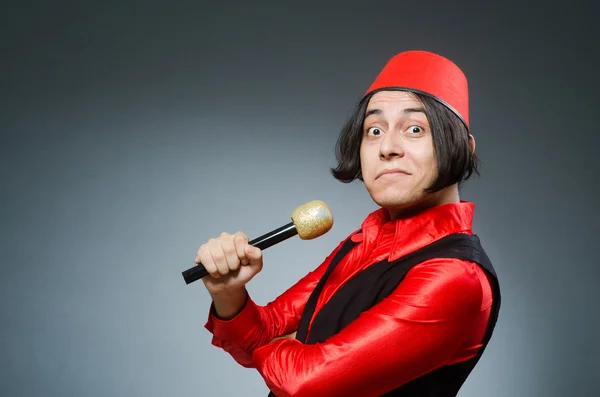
<point x="375" y="131"/>
<point x="415" y="129"/>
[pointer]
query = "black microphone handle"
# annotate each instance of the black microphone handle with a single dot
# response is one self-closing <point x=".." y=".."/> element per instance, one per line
<point x="265" y="241"/>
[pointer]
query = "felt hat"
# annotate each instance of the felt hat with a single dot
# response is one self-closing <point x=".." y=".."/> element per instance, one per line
<point x="430" y="74"/>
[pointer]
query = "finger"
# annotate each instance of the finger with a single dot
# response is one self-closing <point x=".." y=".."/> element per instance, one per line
<point x="197" y="260"/>
<point x="219" y="257"/>
<point x="205" y="258"/>
<point x="240" y="241"/>
<point x="228" y="247"/>
<point x="254" y="256"/>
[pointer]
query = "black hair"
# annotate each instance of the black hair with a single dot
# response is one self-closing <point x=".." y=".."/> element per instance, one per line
<point x="456" y="163"/>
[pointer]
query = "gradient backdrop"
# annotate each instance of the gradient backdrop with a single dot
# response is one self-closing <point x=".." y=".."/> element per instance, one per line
<point x="132" y="133"/>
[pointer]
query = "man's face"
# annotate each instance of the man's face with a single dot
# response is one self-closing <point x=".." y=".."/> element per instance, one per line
<point x="396" y="136"/>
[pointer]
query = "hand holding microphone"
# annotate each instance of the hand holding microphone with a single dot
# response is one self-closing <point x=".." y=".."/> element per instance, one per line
<point x="230" y="260"/>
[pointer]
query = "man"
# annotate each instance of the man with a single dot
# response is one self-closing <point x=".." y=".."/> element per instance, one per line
<point x="407" y="303"/>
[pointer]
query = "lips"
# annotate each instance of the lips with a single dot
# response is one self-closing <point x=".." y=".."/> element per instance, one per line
<point x="391" y="171"/>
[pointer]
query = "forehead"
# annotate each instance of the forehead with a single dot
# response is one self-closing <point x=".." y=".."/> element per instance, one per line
<point x="393" y="100"/>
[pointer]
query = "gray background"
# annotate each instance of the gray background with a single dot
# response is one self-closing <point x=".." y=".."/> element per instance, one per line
<point x="133" y="132"/>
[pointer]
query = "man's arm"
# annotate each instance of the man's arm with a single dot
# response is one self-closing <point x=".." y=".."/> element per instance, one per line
<point x="254" y="326"/>
<point x="229" y="304"/>
<point x="415" y="330"/>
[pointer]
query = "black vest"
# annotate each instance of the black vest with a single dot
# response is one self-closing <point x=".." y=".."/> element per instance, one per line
<point x="371" y="285"/>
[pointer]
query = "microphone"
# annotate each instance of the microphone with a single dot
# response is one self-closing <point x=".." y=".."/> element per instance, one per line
<point x="310" y="220"/>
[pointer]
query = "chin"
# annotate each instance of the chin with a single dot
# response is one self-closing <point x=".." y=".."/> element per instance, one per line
<point x="389" y="200"/>
<point x="397" y="199"/>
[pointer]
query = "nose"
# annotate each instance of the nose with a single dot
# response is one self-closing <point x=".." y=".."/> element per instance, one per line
<point x="391" y="146"/>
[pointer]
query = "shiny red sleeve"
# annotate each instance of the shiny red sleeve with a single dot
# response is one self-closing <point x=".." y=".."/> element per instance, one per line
<point x="413" y="331"/>
<point x="257" y="325"/>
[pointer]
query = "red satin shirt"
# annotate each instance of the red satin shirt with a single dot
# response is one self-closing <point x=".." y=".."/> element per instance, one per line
<point x="436" y="316"/>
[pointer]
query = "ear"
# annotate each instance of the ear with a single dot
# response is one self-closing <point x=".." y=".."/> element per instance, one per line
<point x="472" y="143"/>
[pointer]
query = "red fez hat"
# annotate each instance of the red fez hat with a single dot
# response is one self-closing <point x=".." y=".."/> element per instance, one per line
<point x="429" y="74"/>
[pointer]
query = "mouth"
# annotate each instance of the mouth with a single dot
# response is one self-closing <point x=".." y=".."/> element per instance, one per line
<point x="391" y="173"/>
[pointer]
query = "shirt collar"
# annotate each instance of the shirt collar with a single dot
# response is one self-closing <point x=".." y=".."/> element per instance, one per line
<point x="419" y="230"/>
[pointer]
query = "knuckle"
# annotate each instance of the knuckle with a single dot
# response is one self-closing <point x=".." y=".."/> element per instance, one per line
<point x="240" y="235"/>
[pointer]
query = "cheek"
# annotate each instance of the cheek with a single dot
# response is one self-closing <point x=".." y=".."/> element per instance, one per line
<point x="426" y="162"/>
<point x="366" y="163"/>
<point x="431" y="167"/>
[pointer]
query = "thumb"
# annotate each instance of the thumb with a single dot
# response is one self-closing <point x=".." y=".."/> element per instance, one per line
<point x="254" y="255"/>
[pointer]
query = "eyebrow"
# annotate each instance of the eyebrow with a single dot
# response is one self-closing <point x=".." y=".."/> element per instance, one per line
<point x="406" y="111"/>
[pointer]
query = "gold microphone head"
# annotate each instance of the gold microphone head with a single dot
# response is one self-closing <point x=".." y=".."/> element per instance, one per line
<point x="312" y="219"/>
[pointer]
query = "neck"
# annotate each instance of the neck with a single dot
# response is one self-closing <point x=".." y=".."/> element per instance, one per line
<point x="445" y="196"/>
